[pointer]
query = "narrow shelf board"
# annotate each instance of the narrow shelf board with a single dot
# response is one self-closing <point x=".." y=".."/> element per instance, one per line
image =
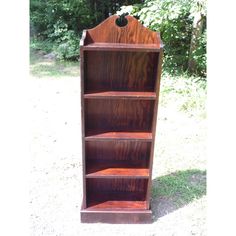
<point x="110" y="172"/>
<point x="135" y="136"/>
<point x="121" y="94"/>
<point x="118" y="205"/>
<point x="121" y="47"/>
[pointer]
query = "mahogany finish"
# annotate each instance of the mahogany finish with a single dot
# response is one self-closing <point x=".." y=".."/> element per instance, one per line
<point x="138" y="136"/>
<point x="120" y="94"/>
<point x="120" y="71"/>
<point x="118" y="169"/>
<point x="118" y="115"/>
<point x="120" y="82"/>
<point x="122" y="46"/>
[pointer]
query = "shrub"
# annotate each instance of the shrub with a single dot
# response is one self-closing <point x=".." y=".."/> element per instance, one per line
<point x="66" y="42"/>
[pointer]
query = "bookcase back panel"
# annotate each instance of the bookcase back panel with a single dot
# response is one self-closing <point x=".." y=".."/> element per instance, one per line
<point x="132" y="151"/>
<point x="118" y="115"/>
<point x="120" y="71"/>
<point x="116" y="193"/>
<point x="116" y="189"/>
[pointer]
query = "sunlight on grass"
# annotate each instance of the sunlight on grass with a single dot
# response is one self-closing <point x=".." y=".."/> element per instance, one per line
<point x="180" y="187"/>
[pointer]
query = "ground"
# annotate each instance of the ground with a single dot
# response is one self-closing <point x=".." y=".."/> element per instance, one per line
<point x="179" y="169"/>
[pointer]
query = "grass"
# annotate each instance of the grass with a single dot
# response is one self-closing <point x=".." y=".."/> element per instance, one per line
<point x="180" y="187"/>
<point x="41" y="67"/>
<point x="188" y="93"/>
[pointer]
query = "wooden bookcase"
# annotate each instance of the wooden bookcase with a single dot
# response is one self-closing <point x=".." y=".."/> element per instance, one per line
<point x="120" y="80"/>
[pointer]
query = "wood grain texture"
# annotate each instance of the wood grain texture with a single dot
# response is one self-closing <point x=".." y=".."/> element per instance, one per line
<point x="154" y="123"/>
<point x="116" y="216"/>
<point x="121" y="47"/>
<point x="119" y="205"/>
<point x="130" y="152"/>
<point x="111" y="136"/>
<point x="82" y="119"/>
<point x="120" y="83"/>
<point x="120" y="71"/>
<point x="120" y="95"/>
<point x="133" y="33"/>
<point x="118" y="115"/>
<point x="117" y="169"/>
<point x="101" y="190"/>
<point x="119" y="189"/>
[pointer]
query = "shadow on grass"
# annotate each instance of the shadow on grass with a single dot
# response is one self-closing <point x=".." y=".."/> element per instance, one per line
<point x="43" y="67"/>
<point x="173" y="191"/>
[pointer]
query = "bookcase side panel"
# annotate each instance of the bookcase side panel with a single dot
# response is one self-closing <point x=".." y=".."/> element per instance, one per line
<point x="154" y="122"/>
<point x="82" y="78"/>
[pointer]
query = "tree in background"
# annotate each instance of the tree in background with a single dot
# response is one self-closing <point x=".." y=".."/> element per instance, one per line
<point x="182" y="24"/>
<point x="57" y="26"/>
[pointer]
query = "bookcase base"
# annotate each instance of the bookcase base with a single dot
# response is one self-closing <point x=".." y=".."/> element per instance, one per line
<point x="117" y="217"/>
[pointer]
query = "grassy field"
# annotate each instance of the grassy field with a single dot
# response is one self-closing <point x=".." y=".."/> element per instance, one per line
<point x="179" y="169"/>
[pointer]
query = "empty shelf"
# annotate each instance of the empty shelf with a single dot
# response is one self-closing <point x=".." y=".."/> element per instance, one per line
<point x="135" y="136"/>
<point x="121" y="94"/>
<point x="118" y="205"/>
<point x="121" y="47"/>
<point x="110" y="170"/>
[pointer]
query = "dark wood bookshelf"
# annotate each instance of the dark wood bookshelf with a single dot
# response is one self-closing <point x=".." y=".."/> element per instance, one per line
<point x="120" y="82"/>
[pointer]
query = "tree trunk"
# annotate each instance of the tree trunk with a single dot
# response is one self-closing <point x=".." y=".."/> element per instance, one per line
<point x="196" y="34"/>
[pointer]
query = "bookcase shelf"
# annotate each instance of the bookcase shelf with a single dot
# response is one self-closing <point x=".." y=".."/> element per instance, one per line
<point x="118" y="169"/>
<point x="135" y="136"/>
<point x="120" y="95"/>
<point x="120" y="82"/>
<point x="122" y="47"/>
<point x="118" y="205"/>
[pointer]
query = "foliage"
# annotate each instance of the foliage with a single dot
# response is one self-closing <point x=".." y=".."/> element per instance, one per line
<point x="57" y="26"/>
<point x="60" y="23"/>
<point x="199" y="55"/>
<point x="66" y="41"/>
<point x="188" y="93"/>
<point x="46" y="45"/>
<point x="174" y="20"/>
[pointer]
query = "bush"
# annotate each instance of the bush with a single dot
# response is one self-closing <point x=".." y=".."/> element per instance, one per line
<point x="66" y="42"/>
<point x="45" y="46"/>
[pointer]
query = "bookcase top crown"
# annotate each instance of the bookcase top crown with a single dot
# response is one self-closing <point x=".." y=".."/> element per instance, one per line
<point x="110" y="32"/>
